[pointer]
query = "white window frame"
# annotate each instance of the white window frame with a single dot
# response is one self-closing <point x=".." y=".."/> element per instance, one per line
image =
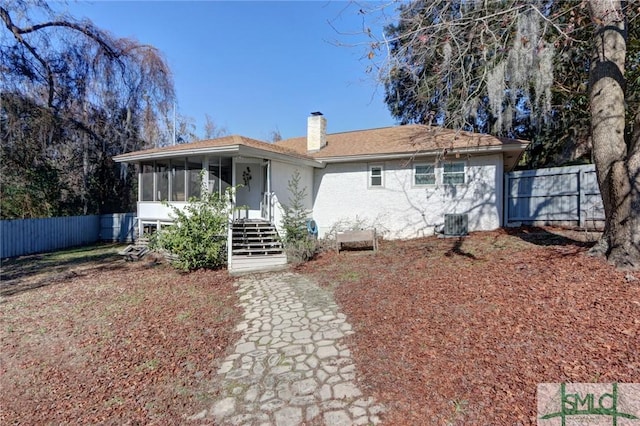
<point x="370" y="175"/>
<point x="416" y="174"/>
<point x="462" y="173"/>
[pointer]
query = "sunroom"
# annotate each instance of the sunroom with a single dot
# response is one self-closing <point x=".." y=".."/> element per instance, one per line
<point x="176" y="180"/>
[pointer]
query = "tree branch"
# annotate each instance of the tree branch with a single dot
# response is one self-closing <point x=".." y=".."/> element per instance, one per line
<point x="18" y="36"/>
<point x="87" y="30"/>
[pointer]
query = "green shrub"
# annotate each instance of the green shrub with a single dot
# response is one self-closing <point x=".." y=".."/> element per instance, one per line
<point x="294" y="219"/>
<point x="299" y="245"/>
<point x="302" y="250"/>
<point x="198" y="237"/>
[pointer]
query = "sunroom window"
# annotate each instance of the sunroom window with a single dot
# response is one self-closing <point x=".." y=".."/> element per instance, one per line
<point x="194" y="178"/>
<point x="453" y="173"/>
<point x="424" y="174"/>
<point x="146" y="182"/>
<point x="162" y="181"/>
<point x="177" y="181"/>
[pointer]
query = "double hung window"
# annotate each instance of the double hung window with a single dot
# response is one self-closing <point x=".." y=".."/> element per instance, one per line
<point x="453" y="173"/>
<point x="424" y="174"/>
<point x="376" y="176"/>
<point x="445" y="173"/>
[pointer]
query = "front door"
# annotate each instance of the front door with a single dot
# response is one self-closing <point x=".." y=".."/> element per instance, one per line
<point x="251" y="177"/>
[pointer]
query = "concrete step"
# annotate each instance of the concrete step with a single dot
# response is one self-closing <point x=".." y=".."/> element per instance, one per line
<point x="246" y="264"/>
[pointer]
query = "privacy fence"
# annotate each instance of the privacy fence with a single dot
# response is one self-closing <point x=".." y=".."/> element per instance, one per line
<point x="563" y="196"/>
<point x="27" y="236"/>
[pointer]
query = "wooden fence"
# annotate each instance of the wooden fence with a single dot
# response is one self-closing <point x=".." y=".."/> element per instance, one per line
<point x="117" y="227"/>
<point x="28" y="236"/>
<point x="564" y="196"/>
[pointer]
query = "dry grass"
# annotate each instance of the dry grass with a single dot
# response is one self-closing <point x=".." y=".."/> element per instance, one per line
<point x="87" y="338"/>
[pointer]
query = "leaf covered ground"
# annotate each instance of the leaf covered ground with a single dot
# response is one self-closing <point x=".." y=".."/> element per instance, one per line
<point x="461" y="331"/>
<point x="448" y="331"/>
<point x="86" y="338"/>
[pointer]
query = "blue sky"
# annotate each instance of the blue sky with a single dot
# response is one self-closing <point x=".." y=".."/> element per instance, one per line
<point x="255" y="66"/>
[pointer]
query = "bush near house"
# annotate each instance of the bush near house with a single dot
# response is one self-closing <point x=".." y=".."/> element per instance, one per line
<point x="198" y="237"/>
<point x="299" y="245"/>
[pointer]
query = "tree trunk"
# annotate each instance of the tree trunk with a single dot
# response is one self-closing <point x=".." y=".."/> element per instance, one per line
<point x="617" y="158"/>
<point x="84" y="193"/>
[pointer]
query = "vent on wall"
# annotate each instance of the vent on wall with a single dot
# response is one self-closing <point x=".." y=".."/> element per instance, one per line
<point x="456" y="224"/>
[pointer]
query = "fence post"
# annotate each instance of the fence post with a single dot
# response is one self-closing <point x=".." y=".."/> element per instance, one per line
<point x="506" y="194"/>
<point x="580" y="197"/>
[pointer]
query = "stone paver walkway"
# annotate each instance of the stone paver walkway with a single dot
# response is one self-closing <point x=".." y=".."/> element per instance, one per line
<point x="290" y="367"/>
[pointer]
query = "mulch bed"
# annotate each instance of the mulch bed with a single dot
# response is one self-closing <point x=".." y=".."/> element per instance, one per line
<point x="461" y="331"/>
<point x="134" y="343"/>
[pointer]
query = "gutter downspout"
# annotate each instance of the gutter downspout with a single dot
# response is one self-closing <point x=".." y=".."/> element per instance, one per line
<point x="269" y="195"/>
<point x="139" y="224"/>
<point x="231" y="215"/>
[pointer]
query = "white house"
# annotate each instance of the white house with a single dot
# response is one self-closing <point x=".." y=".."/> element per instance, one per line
<point x="401" y="180"/>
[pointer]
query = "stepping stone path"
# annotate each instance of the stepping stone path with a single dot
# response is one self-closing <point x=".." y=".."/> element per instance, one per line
<point x="289" y="367"/>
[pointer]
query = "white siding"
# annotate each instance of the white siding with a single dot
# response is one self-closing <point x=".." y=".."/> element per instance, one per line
<point x="400" y="209"/>
<point x="155" y="210"/>
<point x="281" y="174"/>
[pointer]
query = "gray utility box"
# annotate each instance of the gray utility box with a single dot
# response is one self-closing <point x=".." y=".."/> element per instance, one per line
<point x="456" y="224"/>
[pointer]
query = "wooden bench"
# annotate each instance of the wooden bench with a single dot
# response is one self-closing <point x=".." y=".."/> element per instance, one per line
<point x="361" y="236"/>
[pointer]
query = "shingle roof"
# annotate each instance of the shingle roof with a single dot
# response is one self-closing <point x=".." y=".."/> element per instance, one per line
<point x="225" y="141"/>
<point x="408" y="139"/>
<point x="398" y="140"/>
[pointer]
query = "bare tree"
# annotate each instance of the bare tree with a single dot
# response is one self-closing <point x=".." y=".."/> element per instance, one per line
<point x="95" y="96"/>
<point x="489" y="66"/>
<point x="275" y="135"/>
<point x="212" y="130"/>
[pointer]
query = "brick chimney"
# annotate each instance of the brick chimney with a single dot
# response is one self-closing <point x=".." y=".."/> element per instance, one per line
<point x="316" y="132"/>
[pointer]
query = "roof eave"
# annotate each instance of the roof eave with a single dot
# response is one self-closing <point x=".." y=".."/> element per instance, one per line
<point x="249" y="151"/>
<point x="159" y="155"/>
<point x="519" y="147"/>
<point x="231" y="150"/>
